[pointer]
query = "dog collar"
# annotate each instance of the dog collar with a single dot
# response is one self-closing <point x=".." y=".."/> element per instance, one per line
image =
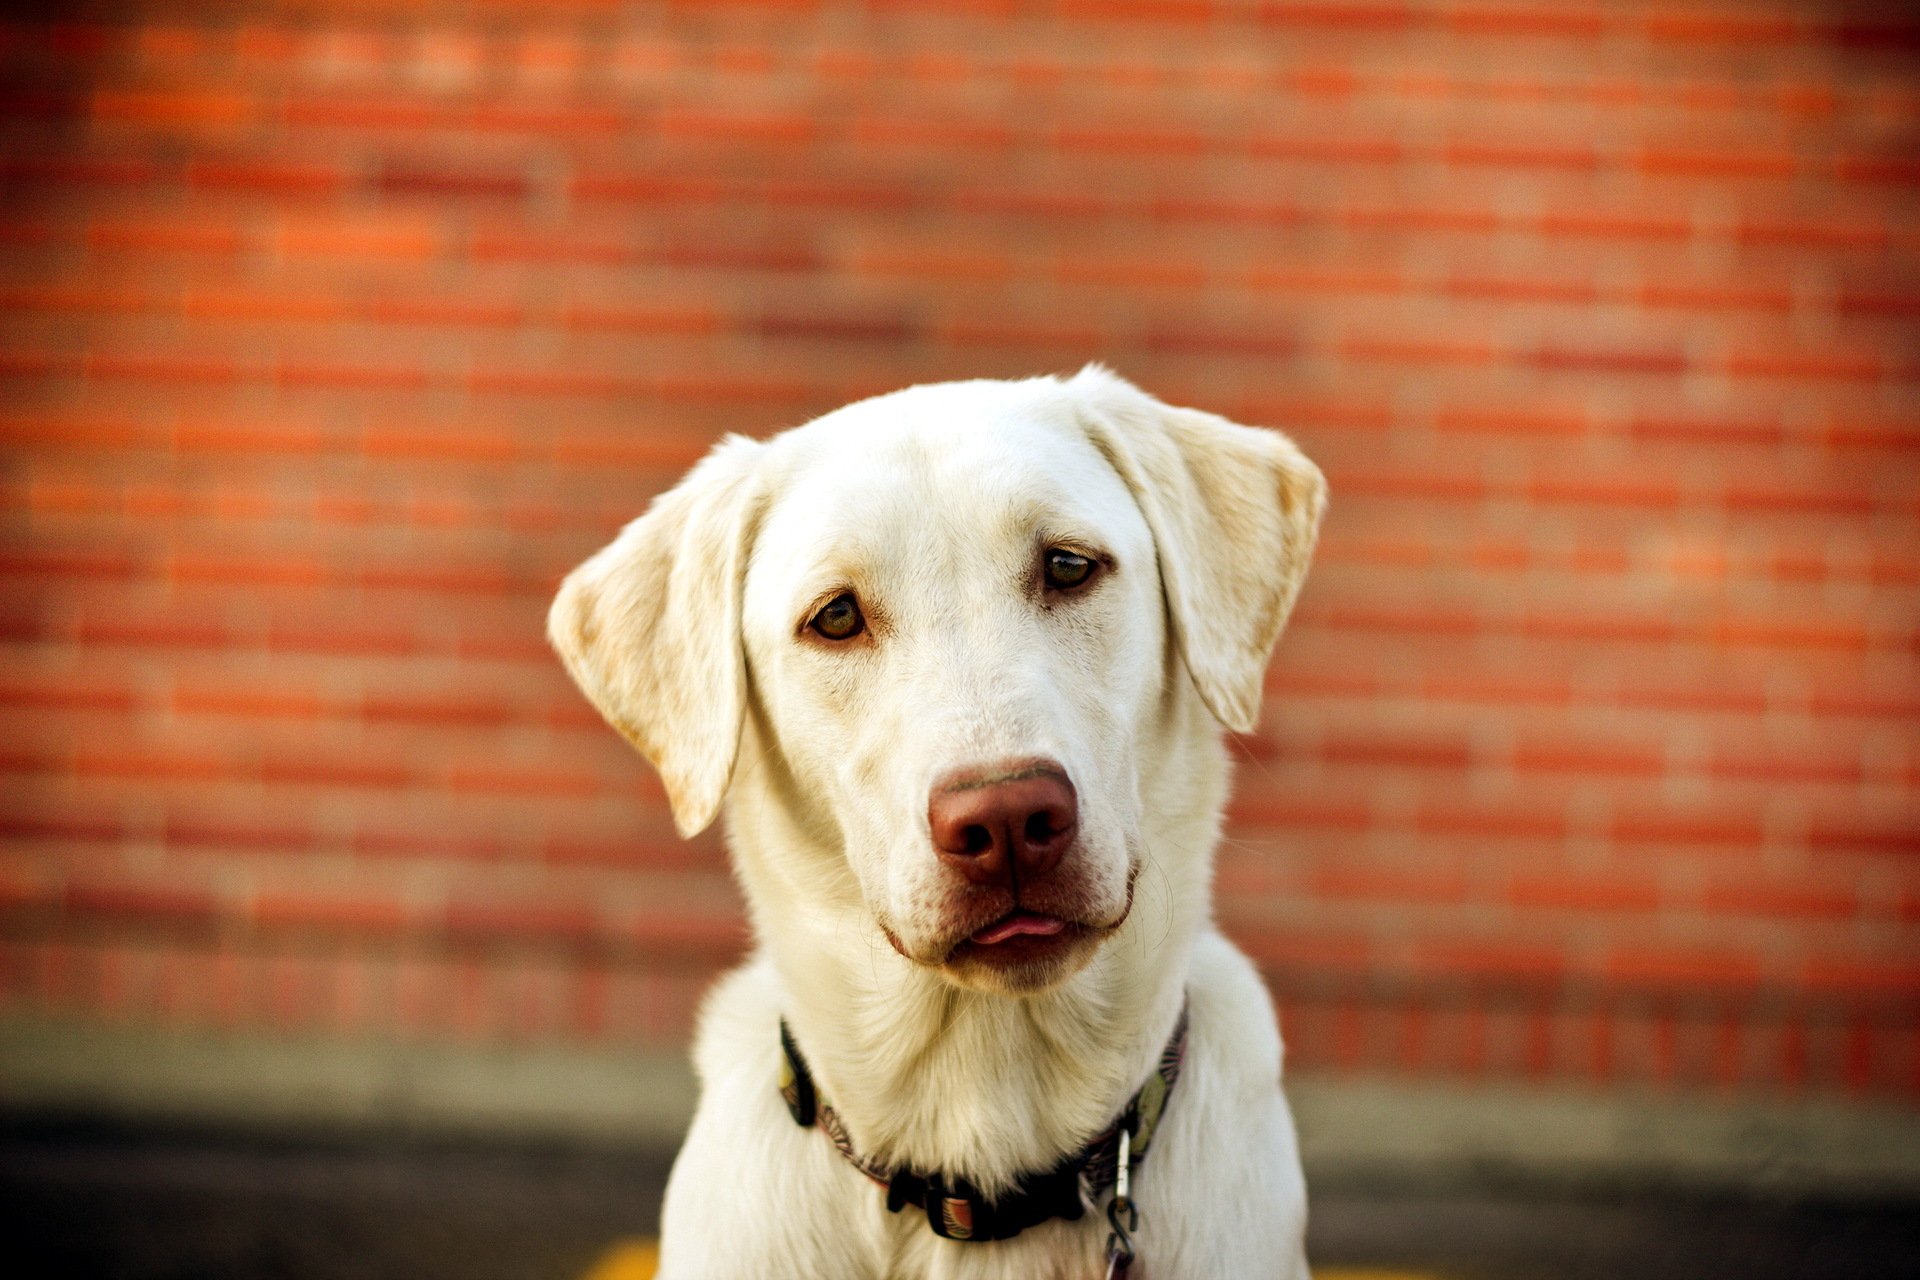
<point x="955" y="1209"/>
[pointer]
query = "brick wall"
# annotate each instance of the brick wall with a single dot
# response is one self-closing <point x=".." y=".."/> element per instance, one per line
<point x="335" y="333"/>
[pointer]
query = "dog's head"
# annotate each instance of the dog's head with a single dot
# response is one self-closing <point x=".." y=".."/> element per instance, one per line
<point x="956" y="621"/>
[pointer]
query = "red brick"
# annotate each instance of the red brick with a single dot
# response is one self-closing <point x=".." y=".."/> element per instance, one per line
<point x="1420" y="219"/>
<point x="170" y="907"/>
<point x="354" y="916"/>
<point x="1861" y="302"/>
<point x="1356" y="15"/>
<point x="1500" y="20"/>
<point x="1319" y="279"/>
<point x="1718" y="163"/>
<point x="1021" y="334"/>
<point x="1378" y="884"/>
<point x="771" y="254"/>
<point x="408" y="180"/>
<point x="1505" y="155"/>
<point x="1601" y="225"/>
<point x="199" y="832"/>
<point x="1130" y="140"/>
<point x="92" y="827"/>
<point x="439" y="844"/>
<point x="505" y="780"/>
<point x="877" y="327"/>
<point x="1151" y="271"/>
<point x="1898" y="34"/>
<point x="521" y="922"/>
<point x="1798" y="363"/>
<point x="350" y="238"/>
<point x="1396" y="753"/>
<point x="265" y="176"/>
<point x="108" y="171"/>
<point x="1168" y="11"/>
<point x="1417" y="351"/>
<point x="1522" y="289"/>
<point x="67" y="695"/>
<point x="1489" y="821"/>
<point x="1902" y="170"/>
<point x="1786" y="767"/>
<point x="893" y="131"/>
<point x="1701" y="431"/>
<point x="1739" y="833"/>
<point x="304" y="374"/>
<point x="1721" y="26"/>
<point x="1186" y="338"/>
<point x="202" y="235"/>
<point x="447" y="311"/>
<point x="1857" y="977"/>
<point x="1563" y="756"/>
<point x="1694" y="698"/>
<point x="1864" y="838"/>
<point x="252" y="305"/>
<point x="1288" y="813"/>
<point x="1857" y="701"/>
<point x="1801" y="233"/>
<point x="1585" y="893"/>
<point x="1685" y="969"/>
<point x="1717" y="297"/>
<point x="688" y="123"/>
<point x="175" y="370"/>
<point x="1495" y="962"/>
<point x="470" y="712"/>
<point x="306" y="770"/>
<point x="156" y="632"/>
<point x="1644" y="360"/>
<point x="306" y="636"/>
<point x="468" y="443"/>
<point x="1786" y="900"/>
<point x="1765" y="633"/>
<point x="184" y="108"/>
<point x="69" y="563"/>
<point x="1298" y="952"/>
<point x="70" y="298"/>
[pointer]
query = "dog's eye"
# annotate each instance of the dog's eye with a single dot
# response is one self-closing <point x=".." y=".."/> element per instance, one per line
<point x="839" y="618"/>
<point x="1067" y="570"/>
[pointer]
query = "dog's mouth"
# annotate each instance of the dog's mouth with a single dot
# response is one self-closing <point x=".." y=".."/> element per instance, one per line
<point x="1018" y="924"/>
<point x="1024" y="946"/>
<point x="1020" y="941"/>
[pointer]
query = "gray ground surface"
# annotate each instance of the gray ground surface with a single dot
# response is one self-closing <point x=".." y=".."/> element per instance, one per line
<point x="81" y="1201"/>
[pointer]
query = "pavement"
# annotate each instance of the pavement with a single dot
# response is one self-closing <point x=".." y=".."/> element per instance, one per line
<point x="146" y="1203"/>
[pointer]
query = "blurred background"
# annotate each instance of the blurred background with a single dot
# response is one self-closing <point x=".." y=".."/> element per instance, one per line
<point x="1580" y="845"/>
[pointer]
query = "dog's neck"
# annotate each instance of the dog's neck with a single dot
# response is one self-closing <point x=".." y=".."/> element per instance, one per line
<point x="931" y="1076"/>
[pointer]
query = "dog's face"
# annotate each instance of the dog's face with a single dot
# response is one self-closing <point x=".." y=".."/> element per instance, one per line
<point x="947" y="612"/>
<point x="953" y="622"/>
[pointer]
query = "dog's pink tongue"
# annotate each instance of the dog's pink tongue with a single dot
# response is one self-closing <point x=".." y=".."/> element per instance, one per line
<point x="1015" y="925"/>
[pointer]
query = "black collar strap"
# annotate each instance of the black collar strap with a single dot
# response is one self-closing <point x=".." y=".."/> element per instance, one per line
<point x="954" y="1209"/>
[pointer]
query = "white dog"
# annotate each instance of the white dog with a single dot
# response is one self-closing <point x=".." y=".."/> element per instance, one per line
<point x="955" y="660"/>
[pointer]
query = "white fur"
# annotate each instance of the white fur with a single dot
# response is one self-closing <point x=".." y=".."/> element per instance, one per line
<point x="935" y="504"/>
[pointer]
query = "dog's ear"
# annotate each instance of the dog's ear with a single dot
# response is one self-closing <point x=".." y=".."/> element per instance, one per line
<point x="1234" y="512"/>
<point x="649" y="628"/>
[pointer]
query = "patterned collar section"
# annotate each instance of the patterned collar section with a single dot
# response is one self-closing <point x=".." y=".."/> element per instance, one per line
<point x="956" y="1210"/>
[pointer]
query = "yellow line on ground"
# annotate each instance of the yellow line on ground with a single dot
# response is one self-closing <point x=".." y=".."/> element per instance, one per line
<point x="637" y="1259"/>
<point x="626" y="1260"/>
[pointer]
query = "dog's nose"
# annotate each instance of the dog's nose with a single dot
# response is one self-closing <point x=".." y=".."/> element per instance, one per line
<point x="1013" y="819"/>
